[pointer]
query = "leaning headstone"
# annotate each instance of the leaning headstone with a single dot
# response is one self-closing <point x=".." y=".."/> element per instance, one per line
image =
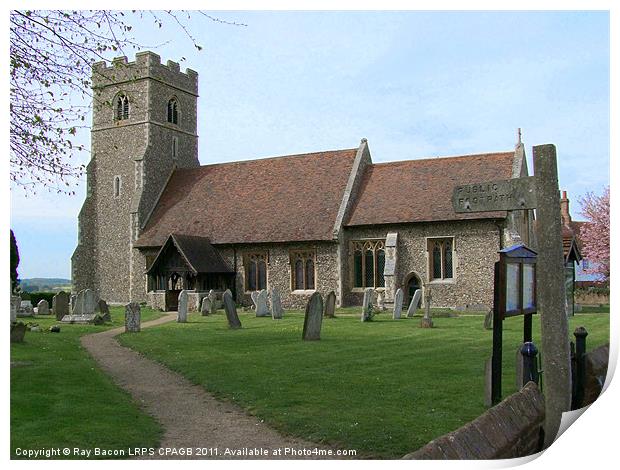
<point x="330" y="305"/>
<point x="488" y="320"/>
<point x="231" y="310"/>
<point x="313" y="318"/>
<point x="398" y="304"/>
<point x="254" y="296"/>
<point x="427" y="320"/>
<point x="276" y="304"/>
<point x="367" y="304"/>
<point x="43" y="308"/>
<point x="206" y="306"/>
<point x="182" y="307"/>
<point x="104" y="310"/>
<point x="261" y="304"/>
<point x="132" y="317"/>
<point x="60" y="305"/>
<point x="415" y="301"/>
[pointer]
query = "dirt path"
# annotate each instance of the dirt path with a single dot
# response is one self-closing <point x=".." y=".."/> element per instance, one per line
<point x="190" y="416"/>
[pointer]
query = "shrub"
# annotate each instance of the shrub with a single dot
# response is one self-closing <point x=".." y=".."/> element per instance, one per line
<point x="35" y="297"/>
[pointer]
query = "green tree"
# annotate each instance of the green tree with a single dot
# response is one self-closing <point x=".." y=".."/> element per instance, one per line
<point x="14" y="263"/>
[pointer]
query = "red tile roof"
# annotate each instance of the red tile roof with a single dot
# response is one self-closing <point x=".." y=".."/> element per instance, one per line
<point x="292" y="198"/>
<point x="421" y="190"/>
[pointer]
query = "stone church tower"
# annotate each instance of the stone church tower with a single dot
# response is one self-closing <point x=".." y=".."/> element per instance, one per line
<point x="144" y="126"/>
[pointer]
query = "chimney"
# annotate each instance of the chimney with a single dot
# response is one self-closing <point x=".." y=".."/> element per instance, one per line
<point x="566" y="220"/>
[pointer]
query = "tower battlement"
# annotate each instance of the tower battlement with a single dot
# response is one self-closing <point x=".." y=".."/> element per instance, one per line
<point x="146" y="65"/>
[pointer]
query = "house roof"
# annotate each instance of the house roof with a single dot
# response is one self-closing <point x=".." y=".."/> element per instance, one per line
<point x="291" y="198"/>
<point x="198" y="253"/>
<point x="421" y="190"/>
<point x="570" y="245"/>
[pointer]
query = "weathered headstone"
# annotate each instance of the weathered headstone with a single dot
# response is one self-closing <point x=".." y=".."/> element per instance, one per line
<point x="415" y="301"/>
<point x="15" y="302"/>
<point x="25" y="309"/>
<point x="206" y="306"/>
<point x="330" y="305"/>
<point x="182" y="307"/>
<point x="43" y="307"/>
<point x="381" y="301"/>
<point x="276" y="304"/>
<point x="261" y="304"/>
<point x="367" y="304"/>
<point x="85" y="303"/>
<point x="488" y="320"/>
<point x="231" y="310"/>
<point x="313" y="318"/>
<point x="427" y="320"/>
<point x="132" y="317"/>
<point x="18" y="331"/>
<point x="398" y="304"/>
<point x="104" y="310"/>
<point x="214" y="303"/>
<point x="254" y="296"/>
<point x="60" y="305"/>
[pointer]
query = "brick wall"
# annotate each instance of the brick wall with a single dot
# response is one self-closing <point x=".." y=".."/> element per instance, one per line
<point x="508" y="430"/>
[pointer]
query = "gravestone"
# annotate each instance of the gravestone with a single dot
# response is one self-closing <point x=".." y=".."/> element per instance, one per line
<point x="182" y="307"/>
<point x="132" y="317"/>
<point x="330" y="305"/>
<point x="214" y="303"/>
<point x="415" y="301"/>
<point x="254" y="296"/>
<point x="104" y="310"/>
<point x="367" y="304"/>
<point x="85" y="303"/>
<point x="276" y="304"/>
<point x="60" y="305"/>
<point x="488" y="320"/>
<point x="381" y="301"/>
<point x="43" y="307"/>
<point x="206" y="307"/>
<point x="15" y="302"/>
<point x="313" y="318"/>
<point x="231" y="310"/>
<point x="25" y="309"/>
<point x="261" y="304"/>
<point x="427" y="320"/>
<point x="398" y="304"/>
<point x="72" y="302"/>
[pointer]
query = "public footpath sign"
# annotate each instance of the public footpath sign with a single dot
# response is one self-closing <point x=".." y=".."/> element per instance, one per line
<point x="540" y="192"/>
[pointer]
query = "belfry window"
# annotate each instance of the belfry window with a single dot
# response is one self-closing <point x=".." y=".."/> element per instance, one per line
<point x="368" y="263"/>
<point x="122" y="108"/>
<point x="173" y="112"/>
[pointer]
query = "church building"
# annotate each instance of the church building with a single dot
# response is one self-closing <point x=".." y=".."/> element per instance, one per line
<point x="155" y="221"/>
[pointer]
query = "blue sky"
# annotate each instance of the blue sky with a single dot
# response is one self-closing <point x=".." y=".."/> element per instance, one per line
<point x="416" y="84"/>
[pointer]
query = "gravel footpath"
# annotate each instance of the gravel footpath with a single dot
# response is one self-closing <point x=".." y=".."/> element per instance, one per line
<point x="191" y="417"/>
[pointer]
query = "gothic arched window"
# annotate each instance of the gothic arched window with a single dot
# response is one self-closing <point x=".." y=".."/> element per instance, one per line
<point x="368" y="263"/>
<point x="255" y="271"/>
<point x="441" y="262"/>
<point x="122" y="107"/>
<point x="173" y="111"/>
<point x="302" y="270"/>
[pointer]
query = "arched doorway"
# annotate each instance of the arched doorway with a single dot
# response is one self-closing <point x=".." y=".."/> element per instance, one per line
<point x="412" y="284"/>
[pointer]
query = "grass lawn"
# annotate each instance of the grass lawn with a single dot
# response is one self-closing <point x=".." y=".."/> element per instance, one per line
<point x="384" y="388"/>
<point x="59" y="398"/>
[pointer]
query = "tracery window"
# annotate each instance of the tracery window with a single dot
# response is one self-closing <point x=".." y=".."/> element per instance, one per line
<point x="441" y="258"/>
<point x="303" y="270"/>
<point x="122" y="107"/>
<point x="368" y="263"/>
<point x="255" y="271"/>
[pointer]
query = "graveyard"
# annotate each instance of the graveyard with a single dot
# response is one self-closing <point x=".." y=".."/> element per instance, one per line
<point x="383" y="387"/>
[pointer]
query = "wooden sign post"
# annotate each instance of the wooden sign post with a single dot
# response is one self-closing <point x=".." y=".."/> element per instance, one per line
<point x="540" y="192"/>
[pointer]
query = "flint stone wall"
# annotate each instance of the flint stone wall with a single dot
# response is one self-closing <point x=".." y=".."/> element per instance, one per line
<point x="508" y="430"/>
<point x="476" y="244"/>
